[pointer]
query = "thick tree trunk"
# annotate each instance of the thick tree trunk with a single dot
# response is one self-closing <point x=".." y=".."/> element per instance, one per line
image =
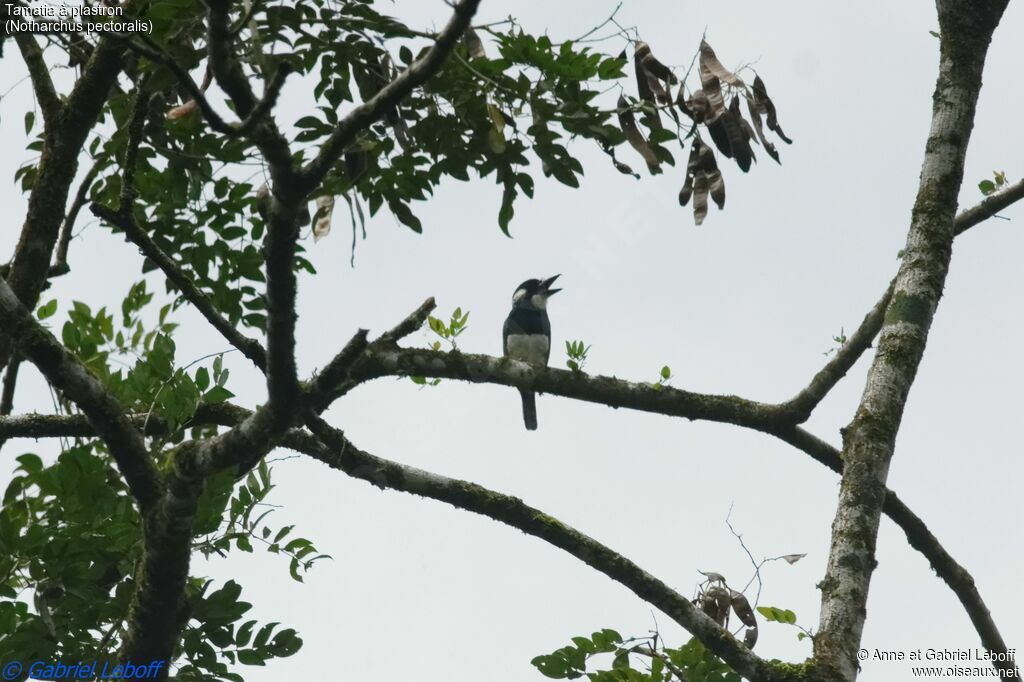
<point x="966" y="29"/>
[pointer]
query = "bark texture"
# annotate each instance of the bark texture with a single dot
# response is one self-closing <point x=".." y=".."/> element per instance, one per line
<point x="868" y="441"/>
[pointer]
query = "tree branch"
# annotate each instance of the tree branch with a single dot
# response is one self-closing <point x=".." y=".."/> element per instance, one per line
<point x="68" y="226"/>
<point x="39" y="73"/>
<point x="57" y="167"/>
<point x="364" y="115"/>
<point x="988" y="207"/>
<point x="924" y="541"/>
<point x="380" y="361"/>
<point x="825" y="380"/>
<point x="103" y="411"/>
<point x="869" y="439"/>
<point x="918" y="535"/>
<point x="341" y="454"/>
<point x="250" y="348"/>
<point x="845" y="357"/>
<point x="7" y="396"/>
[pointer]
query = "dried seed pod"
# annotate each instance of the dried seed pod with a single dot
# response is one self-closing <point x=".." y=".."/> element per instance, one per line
<point x="766" y="105"/>
<point x="710" y="84"/>
<point x="263" y="200"/>
<point x="715" y="602"/>
<point x="739" y="141"/>
<point x="635" y="138"/>
<point x="322" y="217"/>
<point x="700" y="198"/>
<point x="643" y="82"/>
<point x="698" y="107"/>
<point x="687" y="191"/>
<point x="741" y="607"/>
<point x="473" y="44"/>
<point x="709" y="61"/>
<point x="716" y="184"/>
<point x="651" y="64"/>
<point x="755" y="116"/>
<point x="182" y="110"/>
<point x="750" y="637"/>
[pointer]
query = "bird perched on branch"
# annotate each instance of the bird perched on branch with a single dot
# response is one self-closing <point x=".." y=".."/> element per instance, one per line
<point x="527" y="334"/>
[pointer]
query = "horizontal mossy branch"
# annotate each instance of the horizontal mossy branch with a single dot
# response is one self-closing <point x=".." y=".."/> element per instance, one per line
<point x="379" y="361"/>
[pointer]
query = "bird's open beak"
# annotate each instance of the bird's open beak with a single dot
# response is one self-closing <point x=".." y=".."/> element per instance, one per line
<point x="546" y="285"/>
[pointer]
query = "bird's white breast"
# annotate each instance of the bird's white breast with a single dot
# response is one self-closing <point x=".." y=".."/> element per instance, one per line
<point x="532" y="348"/>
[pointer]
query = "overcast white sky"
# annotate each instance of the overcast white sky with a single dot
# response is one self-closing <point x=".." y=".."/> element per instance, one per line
<point x="746" y="304"/>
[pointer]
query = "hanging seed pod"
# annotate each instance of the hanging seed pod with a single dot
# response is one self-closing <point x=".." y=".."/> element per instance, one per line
<point x="755" y="116"/>
<point x="765" y="104"/>
<point x="739" y="141"/>
<point x="750" y="637"/>
<point x="700" y="198"/>
<point x="697" y="107"/>
<point x="635" y="138"/>
<point x="643" y="81"/>
<point x="473" y="44"/>
<point x="652" y="66"/>
<point x="709" y="61"/>
<point x="741" y="607"/>
<point x="709" y="82"/>
<point x="715" y="603"/>
<point x="703" y="178"/>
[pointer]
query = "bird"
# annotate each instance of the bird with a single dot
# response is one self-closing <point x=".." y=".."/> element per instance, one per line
<point x="526" y="335"/>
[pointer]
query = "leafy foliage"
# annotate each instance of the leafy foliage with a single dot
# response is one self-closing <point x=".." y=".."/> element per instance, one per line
<point x="506" y="105"/>
<point x="644" y="659"/>
<point x="577" y="352"/>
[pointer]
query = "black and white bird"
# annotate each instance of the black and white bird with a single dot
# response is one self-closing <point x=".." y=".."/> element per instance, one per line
<point x="527" y="333"/>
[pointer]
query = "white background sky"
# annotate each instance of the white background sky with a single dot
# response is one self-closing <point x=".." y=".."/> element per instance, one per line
<point x="746" y="304"/>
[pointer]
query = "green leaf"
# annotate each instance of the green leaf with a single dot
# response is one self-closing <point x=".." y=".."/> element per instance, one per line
<point x="202" y="379"/>
<point x="250" y="657"/>
<point x="30" y="121"/>
<point x="666" y="372"/>
<point x="406" y="216"/>
<point x="217" y="394"/>
<point x="987" y="187"/>
<point x="244" y="633"/>
<point x="777" y="615"/>
<point x="47" y="310"/>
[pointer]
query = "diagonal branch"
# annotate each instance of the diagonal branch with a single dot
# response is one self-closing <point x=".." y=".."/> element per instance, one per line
<point x="102" y="409"/>
<point x="845" y="357"/>
<point x="251" y="348"/>
<point x="988" y="207"/>
<point x="918" y="535"/>
<point x="869" y="439"/>
<point x="341" y="454"/>
<point x="58" y="164"/>
<point x="39" y="73"/>
<point x="416" y="74"/>
<point x="68" y="226"/>
<point x="825" y="380"/>
<point x="956" y="577"/>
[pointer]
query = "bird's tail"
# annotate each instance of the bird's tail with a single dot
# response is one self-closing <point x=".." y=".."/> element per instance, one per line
<point x="529" y="409"/>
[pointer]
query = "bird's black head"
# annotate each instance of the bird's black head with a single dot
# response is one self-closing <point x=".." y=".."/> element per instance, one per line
<point x="534" y="293"/>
